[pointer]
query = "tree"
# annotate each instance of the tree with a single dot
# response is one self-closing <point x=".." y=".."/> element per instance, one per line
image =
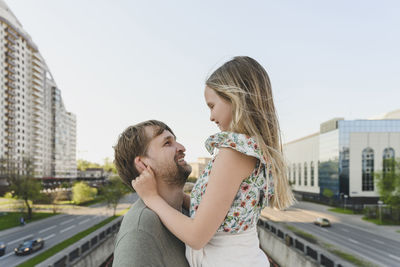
<point x="114" y="191"/>
<point x="23" y="184"/>
<point x="109" y="166"/>
<point x="388" y="182"/>
<point x="327" y="193"/>
<point x="82" y="192"/>
<point x="82" y="164"/>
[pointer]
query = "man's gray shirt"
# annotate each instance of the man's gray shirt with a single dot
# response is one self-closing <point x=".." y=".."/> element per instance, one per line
<point x="143" y="240"/>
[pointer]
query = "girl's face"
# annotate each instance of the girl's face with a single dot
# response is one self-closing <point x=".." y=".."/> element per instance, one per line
<point x="220" y="109"/>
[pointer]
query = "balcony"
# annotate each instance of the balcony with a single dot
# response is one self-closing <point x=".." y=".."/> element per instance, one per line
<point x="37" y="88"/>
<point x="37" y="75"/>
<point x="10" y="91"/>
<point x="11" y="47"/>
<point x="10" y="70"/>
<point x="10" y="107"/>
<point x="10" y="123"/>
<point x="11" y="62"/>
<point x="37" y="94"/>
<point x="38" y="101"/>
<point x="37" y="62"/>
<point x="11" y="77"/>
<point x="10" y="39"/>
<point x="10" y="137"/>
<point x="10" y="99"/>
<point x="10" y="114"/>
<point x="12" y="33"/>
<point x="37" y="69"/>
<point x="10" y="55"/>
<point x="11" y="85"/>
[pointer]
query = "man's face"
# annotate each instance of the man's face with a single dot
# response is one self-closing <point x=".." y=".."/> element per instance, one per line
<point x="166" y="158"/>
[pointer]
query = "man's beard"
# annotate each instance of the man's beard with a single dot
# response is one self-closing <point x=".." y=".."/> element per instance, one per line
<point x="173" y="174"/>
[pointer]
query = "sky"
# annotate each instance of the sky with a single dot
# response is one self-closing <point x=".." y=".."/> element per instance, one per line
<point x="119" y="62"/>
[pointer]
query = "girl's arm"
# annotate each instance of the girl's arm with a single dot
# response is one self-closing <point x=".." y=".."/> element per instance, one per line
<point x="230" y="168"/>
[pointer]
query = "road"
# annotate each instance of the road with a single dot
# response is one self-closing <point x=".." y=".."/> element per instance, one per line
<point x="56" y="229"/>
<point x="350" y="238"/>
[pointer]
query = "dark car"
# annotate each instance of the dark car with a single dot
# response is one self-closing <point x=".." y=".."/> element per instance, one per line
<point x="2" y="248"/>
<point x="29" y="246"/>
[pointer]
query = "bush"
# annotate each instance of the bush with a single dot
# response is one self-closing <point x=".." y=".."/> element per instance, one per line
<point x="82" y="192"/>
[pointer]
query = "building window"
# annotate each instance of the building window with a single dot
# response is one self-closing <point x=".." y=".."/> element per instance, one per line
<point x="294" y="173"/>
<point x="305" y="173"/>
<point x="312" y="173"/>
<point x="368" y="169"/>
<point x="299" y="174"/>
<point x="388" y="161"/>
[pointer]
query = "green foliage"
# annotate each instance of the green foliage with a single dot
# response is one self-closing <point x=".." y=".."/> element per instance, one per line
<point x="114" y="191"/>
<point x="388" y="183"/>
<point x="192" y="179"/>
<point x="82" y="192"/>
<point x="340" y="210"/>
<point x="82" y="164"/>
<point x="8" y="195"/>
<point x="107" y="166"/>
<point x="24" y="186"/>
<point x="327" y="193"/>
<point x="11" y="219"/>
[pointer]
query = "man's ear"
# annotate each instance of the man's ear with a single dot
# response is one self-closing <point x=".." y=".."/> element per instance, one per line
<point x="139" y="164"/>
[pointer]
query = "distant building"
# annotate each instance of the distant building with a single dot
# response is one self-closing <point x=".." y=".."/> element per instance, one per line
<point x="93" y="173"/>
<point x="34" y="123"/>
<point x="199" y="166"/>
<point x="343" y="156"/>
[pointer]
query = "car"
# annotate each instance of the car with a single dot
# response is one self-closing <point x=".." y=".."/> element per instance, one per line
<point x="2" y="248"/>
<point x="29" y="246"/>
<point x="323" y="222"/>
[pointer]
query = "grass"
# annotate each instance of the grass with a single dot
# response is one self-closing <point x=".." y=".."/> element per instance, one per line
<point x="11" y="219"/>
<point x="66" y="243"/>
<point x="398" y="231"/>
<point x="343" y="211"/>
<point x="378" y="222"/>
<point x="346" y="256"/>
<point x="309" y="237"/>
<point x="331" y="248"/>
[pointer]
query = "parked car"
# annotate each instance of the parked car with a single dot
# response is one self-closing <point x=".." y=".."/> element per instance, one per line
<point x="29" y="246"/>
<point x="2" y="248"/>
<point x="323" y="222"/>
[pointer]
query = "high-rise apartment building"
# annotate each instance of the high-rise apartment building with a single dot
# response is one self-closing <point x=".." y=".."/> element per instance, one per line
<point x="34" y="123"/>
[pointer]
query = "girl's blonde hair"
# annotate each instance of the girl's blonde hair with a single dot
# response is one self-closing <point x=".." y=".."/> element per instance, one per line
<point x="244" y="82"/>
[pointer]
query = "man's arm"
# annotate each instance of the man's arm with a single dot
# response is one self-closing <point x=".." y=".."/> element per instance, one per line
<point x="137" y="248"/>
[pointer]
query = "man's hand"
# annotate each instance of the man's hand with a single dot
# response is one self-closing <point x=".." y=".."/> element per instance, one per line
<point x="146" y="186"/>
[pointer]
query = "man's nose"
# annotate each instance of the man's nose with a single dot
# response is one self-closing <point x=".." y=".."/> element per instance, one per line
<point x="180" y="147"/>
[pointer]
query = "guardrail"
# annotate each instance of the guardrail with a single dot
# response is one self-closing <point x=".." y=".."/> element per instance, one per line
<point x="79" y="250"/>
<point x="309" y="250"/>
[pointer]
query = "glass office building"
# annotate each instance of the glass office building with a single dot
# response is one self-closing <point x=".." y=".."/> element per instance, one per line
<point x="346" y="154"/>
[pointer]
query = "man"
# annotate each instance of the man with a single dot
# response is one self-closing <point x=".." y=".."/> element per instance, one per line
<point x="142" y="239"/>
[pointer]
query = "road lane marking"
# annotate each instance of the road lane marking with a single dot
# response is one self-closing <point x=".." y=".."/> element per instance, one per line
<point x="70" y="220"/>
<point x="322" y="229"/>
<point x="353" y="241"/>
<point x="378" y="241"/>
<point x="7" y="255"/>
<point x="394" y="257"/>
<point x="344" y="230"/>
<point x="66" y="229"/>
<point x="22" y="238"/>
<point x="50" y="236"/>
<point x="85" y="221"/>
<point x="47" y="229"/>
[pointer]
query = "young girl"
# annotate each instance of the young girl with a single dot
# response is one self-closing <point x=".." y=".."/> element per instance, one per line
<point x="247" y="172"/>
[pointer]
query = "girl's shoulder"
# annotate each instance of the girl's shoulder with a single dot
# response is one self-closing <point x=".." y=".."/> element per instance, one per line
<point x="237" y="141"/>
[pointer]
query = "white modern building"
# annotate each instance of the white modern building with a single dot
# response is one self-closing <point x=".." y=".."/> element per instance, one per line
<point x="343" y="157"/>
<point x="33" y="121"/>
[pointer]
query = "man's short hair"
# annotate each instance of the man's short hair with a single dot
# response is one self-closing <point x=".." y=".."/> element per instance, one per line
<point x="134" y="142"/>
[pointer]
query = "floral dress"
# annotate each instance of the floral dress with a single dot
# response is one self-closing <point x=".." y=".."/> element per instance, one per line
<point x="254" y="192"/>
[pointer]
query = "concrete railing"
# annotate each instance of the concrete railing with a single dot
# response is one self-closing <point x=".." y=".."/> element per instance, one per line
<point x="92" y="250"/>
<point x="287" y="249"/>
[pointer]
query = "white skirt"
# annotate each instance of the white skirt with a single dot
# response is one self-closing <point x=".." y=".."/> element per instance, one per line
<point x="226" y="249"/>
